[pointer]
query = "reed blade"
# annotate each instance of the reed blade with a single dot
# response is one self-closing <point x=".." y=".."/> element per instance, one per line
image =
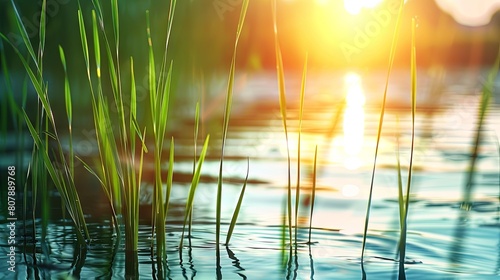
<point x="170" y="175"/>
<point x="69" y="110"/>
<point x="64" y="187"/>
<point x="227" y="113"/>
<point x="195" y="149"/>
<point x="24" y="35"/>
<point x="301" y="113"/>
<point x="41" y="39"/>
<point x="313" y="195"/>
<point x="84" y="42"/>
<point x="401" y="197"/>
<point x="238" y="206"/>
<point x="404" y="229"/>
<point x="192" y="190"/>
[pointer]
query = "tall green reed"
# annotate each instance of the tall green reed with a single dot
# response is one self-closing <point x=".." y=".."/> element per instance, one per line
<point x="159" y="102"/>
<point x="120" y="168"/>
<point x="313" y="194"/>
<point x="379" y="133"/>
<point x="195" y="144"/>
<point x="120" y="172"/>
<point x="301" y="113"/>
<point x="227" y="113"/>
<point x="404" y="216"/>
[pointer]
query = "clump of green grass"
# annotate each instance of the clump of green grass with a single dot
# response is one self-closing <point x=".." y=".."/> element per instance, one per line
<point x="45" y="129"/>
<point x="119" y="170"/>
<point x="110" y="171"/>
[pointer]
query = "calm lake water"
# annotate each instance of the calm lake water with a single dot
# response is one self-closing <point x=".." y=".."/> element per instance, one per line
<point x="443" y="241"/>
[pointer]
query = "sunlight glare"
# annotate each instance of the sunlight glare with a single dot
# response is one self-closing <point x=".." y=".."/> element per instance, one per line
<point x="354" y="120"/>
<point x="354" y="7"/>
<point x="350" y="190"/>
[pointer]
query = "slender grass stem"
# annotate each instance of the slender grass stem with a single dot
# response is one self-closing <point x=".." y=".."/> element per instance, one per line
<point x="404" y="226"/>
<point x="301" y="112"/>
<point x="227" y="113"/>
<point x="238" y="206"/>
<point x="313" y="195"/>
<point x="192" y="191"/>
<point x="195" y="137"/>
<point x="379" y="132"/>
<point x="401" y="198"/>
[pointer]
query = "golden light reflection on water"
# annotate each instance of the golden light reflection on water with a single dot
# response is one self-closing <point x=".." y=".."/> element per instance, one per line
<point x="354" y="121"/>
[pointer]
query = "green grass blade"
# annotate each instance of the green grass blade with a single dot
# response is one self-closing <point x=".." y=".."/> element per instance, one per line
<point x="152" y="75"/>
<point x="170" y="174"/>
<point x="171" y="14"/>
<point x="65" y="188"/>
<point x="313" y="195"/>
<point x="164" y="107"/>
<point x="97" y="48"/>
<point x="401" y="197"/>
<point x="301" y="112"/>
<point x="196" y="130"/>
<point x="41" y="39"/>
<point x="37" y="82"/>
<point x="195" y="144"/>
<point x="379" y="131"/>
<point x="116" y="21"/>
<point x="133" y="105"/>
<point x="238" y="206"/>
<point x="227" y="112"/>
<point x="402" y="243"/>
<point x="192" y="190"/>
<point x="83" y="40"/>
<point x="69" y="110"/>
<point x="24" y="35"/>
